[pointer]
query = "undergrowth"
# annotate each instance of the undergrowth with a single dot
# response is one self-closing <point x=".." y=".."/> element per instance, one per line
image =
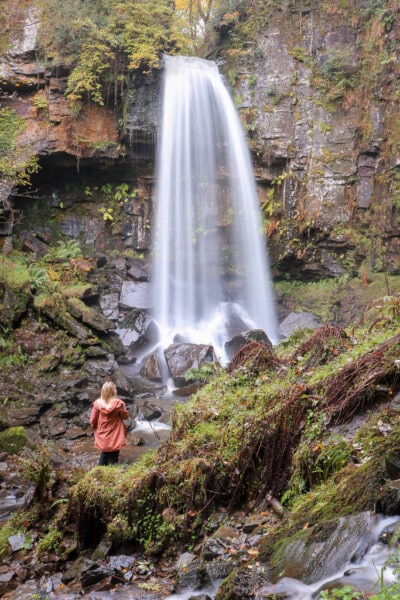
<point x="263" y="428"/>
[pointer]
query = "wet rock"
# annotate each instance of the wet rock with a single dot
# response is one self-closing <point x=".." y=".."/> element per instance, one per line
<point x="77" y="568"/>
<point x="221" y="567"/>
<point x="138" y="274"/>
<point x="151" y="368"/>
<point x="192" y="576"/>
<point x="109" y="304"/>
<point x="137" y="328"/>
<point x="98" y="575"/>
<point x="322" y="550"/>
<point x="122" y="383"/>
<point x="251" y="523"/>
<point x="294" y="321"/>
<point x="98" y="369"/>
<point x="150" y="411"/>
<point x="22" y="592"/>
<point x="257" y="335"/>
<point x="17" y="542"/>
<point x="135" y="295"/>
<point x="184" y="560"/>
<point x="136" y="440"/>
<point x="121" y="562"/>
<point x="212" y="548"/>
<point x="6" y="575"/>
<point x="89" y="315"/>
<point x="243" y="583"/>
<point x="182" y="357"/>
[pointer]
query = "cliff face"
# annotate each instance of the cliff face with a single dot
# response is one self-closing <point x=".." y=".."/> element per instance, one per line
<point x="317" y="88"/>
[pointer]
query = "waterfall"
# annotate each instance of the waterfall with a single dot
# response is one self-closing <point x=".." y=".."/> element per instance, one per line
<point x="211" y="274"/>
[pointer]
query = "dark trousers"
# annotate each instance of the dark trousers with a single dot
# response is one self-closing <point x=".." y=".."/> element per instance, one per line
<point x="109" y="458"/>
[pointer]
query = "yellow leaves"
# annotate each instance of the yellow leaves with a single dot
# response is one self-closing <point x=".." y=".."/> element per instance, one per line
<point x="53" y="275"/>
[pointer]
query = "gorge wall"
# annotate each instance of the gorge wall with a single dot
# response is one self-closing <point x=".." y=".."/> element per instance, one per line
<point x="318" y="90"/>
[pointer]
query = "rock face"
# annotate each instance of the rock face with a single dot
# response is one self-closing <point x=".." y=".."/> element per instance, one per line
<point x="322" y="134"/>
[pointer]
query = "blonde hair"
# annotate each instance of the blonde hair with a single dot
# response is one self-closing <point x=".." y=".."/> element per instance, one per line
<point x="108" y="392"/>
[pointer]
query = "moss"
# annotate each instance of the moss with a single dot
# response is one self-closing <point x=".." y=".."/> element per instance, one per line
<point x="18" y="523"/>
<point x="12" y="440"/>
<point x="14" y="275"/>
<point x="51" y="541"/>
<point x="76" y="291"/>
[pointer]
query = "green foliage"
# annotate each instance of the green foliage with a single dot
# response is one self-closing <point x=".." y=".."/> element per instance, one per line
<point x="14" y="274"/>
<point x="346" y="593"/>
<point x="17" y="162"/>
<point x="35" y="466"/>
<point x="115" y="196"/>
<point x="12" y="440"/>
<point x="203" y="374"/>
<point x="106" y="43"/>
<point x="51" y="541"/>
<point x="64" y="250"/>
<point x="39" y="278"/>
<point x="13" y="357"/>
<point x="387" y="592"/>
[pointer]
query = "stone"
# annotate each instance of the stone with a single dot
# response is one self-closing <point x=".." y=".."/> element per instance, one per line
<point x="182" y="357"/>
<point x="151" y="367"/>
<point x="295" y="321"/>
<point x="97" y="575"/>
<point x="138" y="274"/>
<point x="109" y="304"/>
<point x="240" y="340"/>
<point x="121" y="562"/>
<point x="89" y="315"/>
<point x="17" y="542"/>
<point x="135" y="295"/>
<point x="321" y="551"/>
<point x="192" y="576"/>
<point x="253" y="521"/>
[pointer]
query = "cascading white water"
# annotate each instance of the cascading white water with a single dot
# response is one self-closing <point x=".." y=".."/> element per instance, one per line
<point x="211" y="272"/>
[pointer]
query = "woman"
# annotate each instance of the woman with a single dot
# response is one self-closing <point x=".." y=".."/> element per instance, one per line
<point x="106" y="418"/>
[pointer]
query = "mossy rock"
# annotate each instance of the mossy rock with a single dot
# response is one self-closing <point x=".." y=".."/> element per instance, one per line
<point x="13" y="275"/>
<point x="13" y="306"/>
<point x="12" y="440"/>
<point x="82" y="290"/>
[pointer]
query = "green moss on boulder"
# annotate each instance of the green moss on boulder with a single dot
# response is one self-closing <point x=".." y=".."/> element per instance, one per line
<point x="12" y="440"/>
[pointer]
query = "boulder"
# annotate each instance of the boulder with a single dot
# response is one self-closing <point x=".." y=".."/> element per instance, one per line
<point x="151" y="368"/>
<point x="257" y="335"/>
<point x="294" y="321"/>
<point x="135" y="295"/>
<point x="182" y="357"/>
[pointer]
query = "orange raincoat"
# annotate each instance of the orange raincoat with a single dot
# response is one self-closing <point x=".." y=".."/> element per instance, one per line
<point x="108" y="425"/>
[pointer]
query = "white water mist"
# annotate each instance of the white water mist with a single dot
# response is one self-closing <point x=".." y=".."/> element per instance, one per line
<point x="211" y="272"/>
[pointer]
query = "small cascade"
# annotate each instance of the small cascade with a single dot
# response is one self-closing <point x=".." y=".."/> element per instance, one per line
<point x="211" y="272"/>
